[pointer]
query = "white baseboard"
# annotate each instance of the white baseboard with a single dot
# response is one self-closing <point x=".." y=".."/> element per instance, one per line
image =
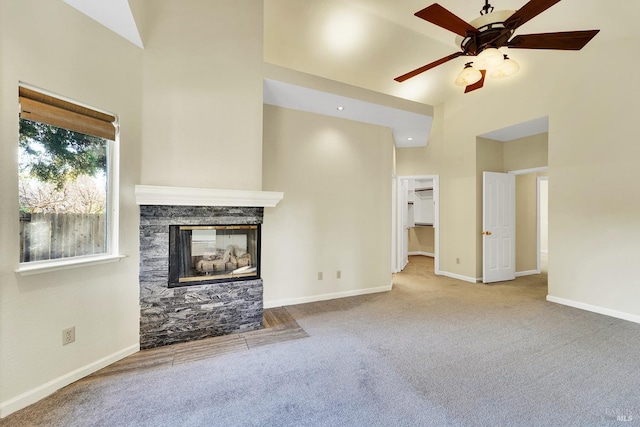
<point x="459" y="276"/>
<point x="32" y="396"/>
<point x="325" y="297"/>
<point x="429" y="254"/>
<point x="595" y="309"/>
<point x="527" y="273"/>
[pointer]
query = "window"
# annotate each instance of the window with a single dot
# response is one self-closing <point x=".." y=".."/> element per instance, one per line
<point x="67" y="182"/>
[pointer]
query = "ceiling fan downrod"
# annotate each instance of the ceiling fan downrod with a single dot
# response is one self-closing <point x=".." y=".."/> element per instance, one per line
<point x="487" y="8"/>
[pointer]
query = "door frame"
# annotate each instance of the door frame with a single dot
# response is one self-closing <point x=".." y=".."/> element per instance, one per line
<point x="394" y="220"/>
<point x="397" y="224"/>
<point x="539" y="179"/>
<point x="525" y="172"/>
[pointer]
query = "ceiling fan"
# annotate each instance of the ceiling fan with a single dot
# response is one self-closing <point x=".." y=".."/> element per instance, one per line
<point x="482" y="37"/>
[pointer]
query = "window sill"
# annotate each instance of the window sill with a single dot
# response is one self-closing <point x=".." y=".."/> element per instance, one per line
<point x="38" y="267"/>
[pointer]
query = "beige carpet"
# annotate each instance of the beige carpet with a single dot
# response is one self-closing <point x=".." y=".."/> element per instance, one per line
<point x="434" y="351"/>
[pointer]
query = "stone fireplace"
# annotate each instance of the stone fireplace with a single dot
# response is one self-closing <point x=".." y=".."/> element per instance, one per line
<point x="173" y="311"/>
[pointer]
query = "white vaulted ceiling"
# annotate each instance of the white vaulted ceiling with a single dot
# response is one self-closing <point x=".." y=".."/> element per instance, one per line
<point x="520" y="130"/>
<point x="409" y="129"/>
<point x="114" y="14"/>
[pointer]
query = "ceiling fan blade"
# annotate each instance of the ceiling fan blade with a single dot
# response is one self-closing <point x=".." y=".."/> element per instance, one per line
<point x="528" y="12"/>
<point x="568" y="40"/>
<point x="427" y="67"/>
<point x="478" y="84"/>
<point x="441" y="17"/>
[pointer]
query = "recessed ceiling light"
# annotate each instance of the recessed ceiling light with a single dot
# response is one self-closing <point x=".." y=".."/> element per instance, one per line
<point x="340" y="108"/>
<point x="410" y="139"/>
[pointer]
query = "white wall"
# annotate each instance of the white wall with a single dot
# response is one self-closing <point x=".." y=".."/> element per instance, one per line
<point x="51" y="45"/>
<point x="336" y="212"/>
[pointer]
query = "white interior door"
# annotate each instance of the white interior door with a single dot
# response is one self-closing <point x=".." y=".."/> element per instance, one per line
<point x="498" y="227"/>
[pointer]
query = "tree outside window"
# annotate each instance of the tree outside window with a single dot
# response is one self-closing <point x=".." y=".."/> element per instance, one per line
<point x="63" y="192"/>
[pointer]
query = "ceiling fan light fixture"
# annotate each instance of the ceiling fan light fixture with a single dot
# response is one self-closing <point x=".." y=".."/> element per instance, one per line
<point x="468" y="76"/>
<point x="507" y="68"/>
<point x="482" y="38"/>
<point x="488" y="58"/>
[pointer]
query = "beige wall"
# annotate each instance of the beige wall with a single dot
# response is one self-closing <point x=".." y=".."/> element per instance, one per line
<point x="522" y="153"/>
<point x="489" y="158"/>
<point x="544" y="215"/>
<point x="526" y="153"/>
<point x="526" y="223"/>
<point x="421" y="239"/>
<point x="336" y="212"/>
<point x="600" y="135"/>
<point x="423" y="161"/>
<point x="591" y="128"/>
<point x="202" y="118"/>
<point x="190" y="108"/>
<point x="518" y="154"/>
<point x="73" y="56"/>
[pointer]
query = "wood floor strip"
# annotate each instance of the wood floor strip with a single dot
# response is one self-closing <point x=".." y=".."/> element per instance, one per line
<point x="140" y="361"/>
<point x="279" y="318"/>
<point x="213" y="347"/>
<point x="273" y="337"/>
<point x="279" y="326"/>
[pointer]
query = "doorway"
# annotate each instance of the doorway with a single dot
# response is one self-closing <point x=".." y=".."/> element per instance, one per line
<point x="528" y="255"/>
<point x="416" y="220"/>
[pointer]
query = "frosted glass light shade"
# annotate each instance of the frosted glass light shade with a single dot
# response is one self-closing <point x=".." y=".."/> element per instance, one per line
<point x="507" y="68"/>
<point x="488" y="58"/>
<point x="468" y="76"/>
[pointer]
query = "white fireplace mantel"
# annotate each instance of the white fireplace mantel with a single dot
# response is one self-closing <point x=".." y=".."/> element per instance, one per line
<point x="188" y="196"/>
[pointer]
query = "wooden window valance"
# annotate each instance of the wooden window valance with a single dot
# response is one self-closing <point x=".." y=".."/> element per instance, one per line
<point x="43" y="108"/>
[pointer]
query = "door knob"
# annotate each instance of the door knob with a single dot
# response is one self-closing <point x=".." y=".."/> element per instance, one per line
<point x="486" y="233"/>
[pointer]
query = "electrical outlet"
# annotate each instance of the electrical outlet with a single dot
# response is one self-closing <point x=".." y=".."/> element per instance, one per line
<point x="69" y="335"/>
<point x="338" y="274"/>
<point x="457" y="260"/>
<point x="319" y="275"/>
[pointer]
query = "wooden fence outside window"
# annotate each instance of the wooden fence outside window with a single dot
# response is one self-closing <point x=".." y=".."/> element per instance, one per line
<point x="45" y="236"/>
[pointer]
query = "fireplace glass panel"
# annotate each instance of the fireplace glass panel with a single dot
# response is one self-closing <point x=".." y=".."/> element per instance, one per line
<point x="213" y="253"/>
